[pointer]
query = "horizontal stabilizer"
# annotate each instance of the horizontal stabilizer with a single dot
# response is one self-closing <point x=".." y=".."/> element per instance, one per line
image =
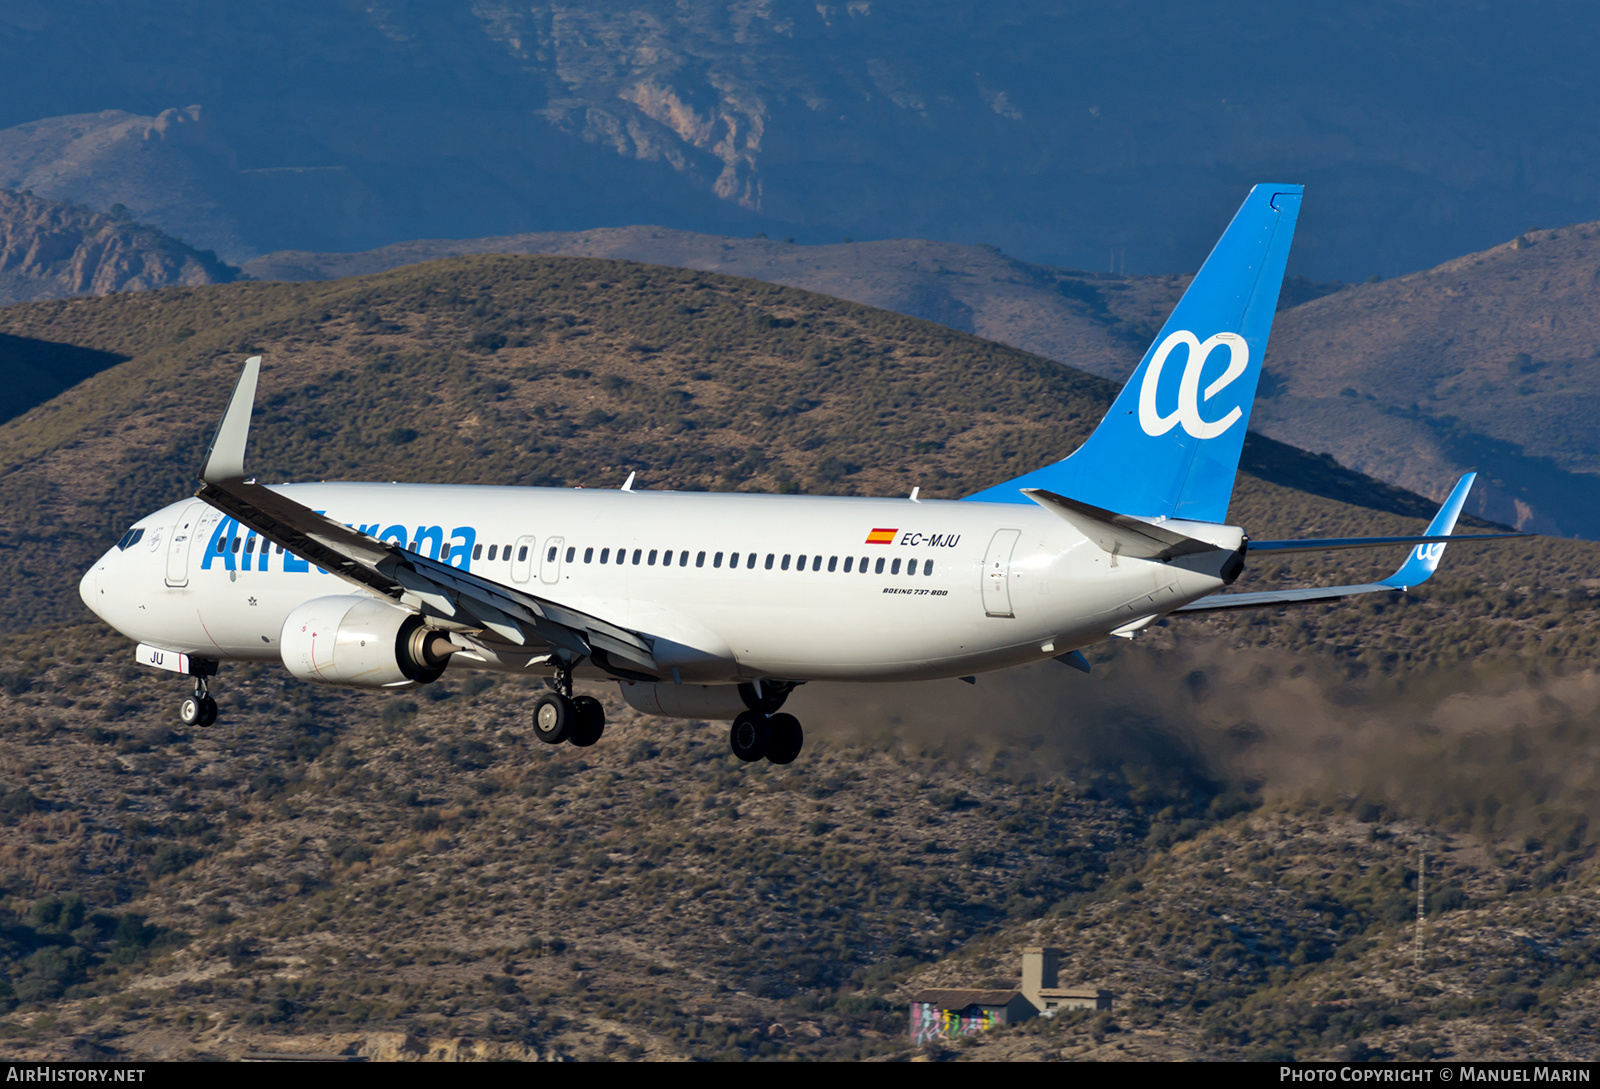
<point x="1119" y="534"/>
<point x="1329" y="544"/>
<point x="1421" y="562"/>
<point x="1075" y="659"/>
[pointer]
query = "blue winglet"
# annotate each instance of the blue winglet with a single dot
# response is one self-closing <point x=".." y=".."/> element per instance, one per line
<point x="1424" y="559"/>
<point x="1169" y="447"/>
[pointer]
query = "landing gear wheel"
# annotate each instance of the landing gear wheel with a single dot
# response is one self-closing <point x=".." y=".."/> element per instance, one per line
<point x="787" y="739"/>
<point x="191" y="711"/>
<point x="199" y="709"/>
<point x="553" y="718"/>
<point x="750" y="737"/>
<point x="590" y="721"/>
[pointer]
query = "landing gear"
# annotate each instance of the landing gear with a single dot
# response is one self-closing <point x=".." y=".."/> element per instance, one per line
<point x="560" y="716"/>
<point x="590" y="724"/>
<point x="750" y="736"/>
<point x="199" y="709"/>
<point x="553" y="718"/>
<point x="787" y="739"/>
<point x="777" y="738"/>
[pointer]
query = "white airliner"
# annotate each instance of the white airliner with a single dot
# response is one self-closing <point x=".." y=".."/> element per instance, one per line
<point x="715" y="606"/>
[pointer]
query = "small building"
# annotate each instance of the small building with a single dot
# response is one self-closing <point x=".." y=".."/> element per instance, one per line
<point x="1040" y="965"/>
<point x="946" y="1013"/>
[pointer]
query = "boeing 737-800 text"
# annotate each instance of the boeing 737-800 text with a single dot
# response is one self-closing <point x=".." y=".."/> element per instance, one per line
<point x="716" y="606"/>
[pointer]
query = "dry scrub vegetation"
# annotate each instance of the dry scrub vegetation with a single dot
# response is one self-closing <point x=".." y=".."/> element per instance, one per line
<point x="1220" y="822"/>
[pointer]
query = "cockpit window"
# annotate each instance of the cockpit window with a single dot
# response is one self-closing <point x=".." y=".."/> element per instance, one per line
<point x="129" y="539"/>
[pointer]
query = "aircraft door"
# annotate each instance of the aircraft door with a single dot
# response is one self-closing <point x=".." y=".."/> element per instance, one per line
<point x="550" y="562"/>
<point x="522" y="558"/>
<point x="997" y="573"/>
<point x="179" y="542"/>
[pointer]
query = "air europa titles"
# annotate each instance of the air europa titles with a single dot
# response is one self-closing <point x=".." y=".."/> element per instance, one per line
<point x="429" y="541"/>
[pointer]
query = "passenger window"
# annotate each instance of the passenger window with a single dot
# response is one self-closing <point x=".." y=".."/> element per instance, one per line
<point x="250" y="546"/>
<point x="236" y="542"/>
<point x="864" y="560"/>
<point x="570" y="553"/>
<point x="683" y="558"/>
<point x="816" y="563"/>
<point x="550" y="556"/>
<point x="653" y="554"/>
<point x="222" y="546"/>
<point x="700" y="559"/>
<point x="493" y="549"/>
<point x="750" y="561"/>
<point x="522" y="553"/>
<point x="849" y="562"/>
<point x="477" y="552"/>
<point x="280" y="550"/>
<point x="770" y="558"/>
<point x="716" y="561"/>
<point x="588" y="555"/>
<point x="927" y="567"/>
<point x="636" y="554"/>
<point x="880" y="565"/>
<point x="894" y="568"/>
<point x="444" y="552"/>
<point x="733" y="559"/>
<point x="801" y="566"/>
<point x="605" y="555"/>
<point x="785" y="566"/>
<point x="833" y="564"/>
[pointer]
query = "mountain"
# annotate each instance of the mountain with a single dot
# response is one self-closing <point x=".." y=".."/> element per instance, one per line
<point x="1098" y="322"/>
<point x="1487" y="361"/>
<point x="51" y="249"/>
<point x="1219" y="820"/>
<point x="1084" y="136"/>
<point x="1483" y="363"/>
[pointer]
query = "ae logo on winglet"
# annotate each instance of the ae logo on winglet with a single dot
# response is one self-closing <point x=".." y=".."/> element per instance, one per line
<point x="1189" y="397"/>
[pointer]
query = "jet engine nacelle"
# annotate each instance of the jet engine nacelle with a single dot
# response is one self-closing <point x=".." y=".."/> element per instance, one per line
<point x="707" y="701"/>
<point x="360" y="641"/>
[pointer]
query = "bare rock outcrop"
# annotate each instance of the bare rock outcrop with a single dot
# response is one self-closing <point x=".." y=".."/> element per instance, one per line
<point x="51" y="249"/>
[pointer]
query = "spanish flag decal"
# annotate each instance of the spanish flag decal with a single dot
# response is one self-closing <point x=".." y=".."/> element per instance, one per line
<point x="882" y="536"/>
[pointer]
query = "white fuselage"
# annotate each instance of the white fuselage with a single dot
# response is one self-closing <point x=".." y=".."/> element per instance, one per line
<point x="941" y="589"/>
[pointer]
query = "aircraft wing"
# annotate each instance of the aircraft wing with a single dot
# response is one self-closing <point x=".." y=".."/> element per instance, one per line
<point x="458" y="598"/>
<point x="1419" y="564"/>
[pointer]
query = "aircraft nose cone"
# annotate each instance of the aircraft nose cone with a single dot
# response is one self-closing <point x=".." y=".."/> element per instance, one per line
<point x="89" y="590"/>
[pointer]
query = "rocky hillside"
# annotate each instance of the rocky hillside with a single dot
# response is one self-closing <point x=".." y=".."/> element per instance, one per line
<point x="1487" y="361"/>
<point x="410" y="875"/>
<point x="1484" y="363"/>
<point x="1097" y="322"/>
<point x="50" y="249"/>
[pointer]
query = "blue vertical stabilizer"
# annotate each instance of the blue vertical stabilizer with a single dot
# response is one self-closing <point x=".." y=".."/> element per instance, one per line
<point x="1170" y="445"/>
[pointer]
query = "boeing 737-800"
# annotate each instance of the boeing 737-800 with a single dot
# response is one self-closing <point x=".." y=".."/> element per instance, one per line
<point x="715" y="606"/>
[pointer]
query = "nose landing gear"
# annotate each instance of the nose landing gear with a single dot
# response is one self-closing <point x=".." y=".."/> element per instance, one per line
<point x="199" y="709"/>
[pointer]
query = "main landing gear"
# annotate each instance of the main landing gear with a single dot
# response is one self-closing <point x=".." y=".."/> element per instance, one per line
<point x="199" y="709"/>
<point x="755" y="734"/>
<point x="561" y="716"/>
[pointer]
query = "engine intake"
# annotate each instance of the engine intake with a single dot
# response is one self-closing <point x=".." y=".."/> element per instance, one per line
<point x="363" y="642"/>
